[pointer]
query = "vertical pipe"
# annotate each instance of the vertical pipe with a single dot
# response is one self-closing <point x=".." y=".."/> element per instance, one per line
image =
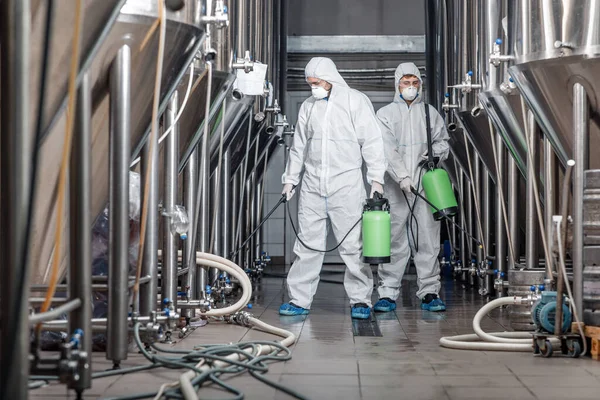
<point x="190" y="196"/>
<point x="531" y="221"/>
<point x="500" y="232"/>
<point x="487" y="217"/>
<point x="15" y="172"/>
<point x="283" y="21"/>
<point x="203" y="228"/>
<point x="118" y="274"/>
<point x="525" y="32"/>
<point x="249" y="225"/>
<point x="513" y="211"/>
<point x="226" y="204"/>
<point x="218" y="222"/>
<point x="235" y="199"/>
<point x="581" y="141"/>
<point x="470" y="247"/>
<point x="149" y="291"/>
<point x="549" y="196"/>
<point x="80" y="265"/>
<point x="478" y="193"/>
<point x="170" y="241"/>
<point x="463" y="200"/>
<point x="258" y="209"/>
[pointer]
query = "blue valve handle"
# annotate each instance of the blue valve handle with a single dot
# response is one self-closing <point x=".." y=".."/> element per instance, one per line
<point x="498" y="41"/>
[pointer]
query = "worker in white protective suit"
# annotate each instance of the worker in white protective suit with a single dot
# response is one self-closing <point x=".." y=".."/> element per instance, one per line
<point x="335" y="131"/>
<point x="403" y="126"/>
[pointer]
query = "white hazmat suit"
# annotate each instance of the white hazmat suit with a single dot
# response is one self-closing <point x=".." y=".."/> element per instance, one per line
<point x="332" y="138"/>
<point x="405" y="138"/>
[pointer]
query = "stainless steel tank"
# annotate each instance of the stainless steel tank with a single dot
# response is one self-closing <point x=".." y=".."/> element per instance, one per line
<point x="183" y="38"/>
<point x="591" y="249"/>
<point x="557" y="45"/>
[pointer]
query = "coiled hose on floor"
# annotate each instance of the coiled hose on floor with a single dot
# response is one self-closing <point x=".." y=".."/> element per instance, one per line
<point x="495" y="341"/>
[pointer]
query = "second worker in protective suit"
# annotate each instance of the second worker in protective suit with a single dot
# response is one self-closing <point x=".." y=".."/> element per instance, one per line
<point x="335" y="131"/>
<point x="403" y="125"/>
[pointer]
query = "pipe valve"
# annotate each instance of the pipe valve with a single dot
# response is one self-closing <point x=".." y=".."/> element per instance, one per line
<point x="220" y="19"/>
<point x="508" y="86"/>
<point x="245" y="63"/>
<point x="275" y="109"/>
<point x="447" y="106"/>
<point x="467" y="86"/>
<point x="496" y="57"/>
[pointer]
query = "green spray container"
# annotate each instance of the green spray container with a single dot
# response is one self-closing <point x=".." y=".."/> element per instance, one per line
<point x="438" y="190"/>
<point x="376" y="230"/>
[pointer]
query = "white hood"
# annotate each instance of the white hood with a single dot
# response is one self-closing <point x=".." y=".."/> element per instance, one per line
<point x="323" y="68"/>
<point x="407" y="69"/>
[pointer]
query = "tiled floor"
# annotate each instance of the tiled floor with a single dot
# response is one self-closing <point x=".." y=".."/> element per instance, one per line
<point x="329" y="362"/>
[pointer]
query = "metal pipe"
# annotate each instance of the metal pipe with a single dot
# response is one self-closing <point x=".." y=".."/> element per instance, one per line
<point x="493" y="14"/>
<point x="531" y="221"/>
<point x="80" y="260"/>
<point x="549" y="195"/>
<point x="170" y="240"/>
<point x="581" y="141"/>
<point x="258" y="210"/>
<point x="204" y="224"/>
<point x="190" y="193"/>
<point x="513" y="211"/>
<point x="227" y="205"/>
<point x="57" y="312"/>
<point x="217" y="223"/>
<point x="487" y="218"/>
<point x="478" y="189"/>
<point x="235" y="199"/>
<point x="463" y="238"/>
<point x="16" y="147"/>
<point x="149" y="166"/>
<point x="500" y="229"/>
<point x="118" y="265"/>
<point x="283" y="32"/>
<point x="95" y="287"/>
<point x="470" y="247"/>
<point x="525" y="32"/>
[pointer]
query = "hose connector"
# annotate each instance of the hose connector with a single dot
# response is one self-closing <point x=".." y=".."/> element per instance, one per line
<point x="241" y="318"/>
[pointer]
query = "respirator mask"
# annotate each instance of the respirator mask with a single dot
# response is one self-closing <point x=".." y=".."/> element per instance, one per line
<point x="410" y="93"/>
<point x="318" y="92"/>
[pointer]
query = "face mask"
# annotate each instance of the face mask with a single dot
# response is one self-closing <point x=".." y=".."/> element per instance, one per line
<point x="319" y="92"/>
<point x="409" y="93"/>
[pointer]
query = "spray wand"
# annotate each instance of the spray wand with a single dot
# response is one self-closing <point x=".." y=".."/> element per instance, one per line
<point x="416" y="193"/>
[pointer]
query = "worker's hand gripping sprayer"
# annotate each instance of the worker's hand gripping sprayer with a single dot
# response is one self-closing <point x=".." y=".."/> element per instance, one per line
<point x="376" y="230"/>
<point x="436" y="183"/>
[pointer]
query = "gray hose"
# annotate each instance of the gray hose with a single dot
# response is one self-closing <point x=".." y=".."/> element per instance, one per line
<point x="55" y="313"/>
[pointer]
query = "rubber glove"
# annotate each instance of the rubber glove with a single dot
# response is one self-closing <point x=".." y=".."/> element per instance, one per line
<point x="288" y="190"/>
<point x="424" y="157"/>
<point x="406" y="185"/>
<point x="376" y="187"/>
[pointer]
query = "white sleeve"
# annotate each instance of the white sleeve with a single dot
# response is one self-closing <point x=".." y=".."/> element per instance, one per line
<point x="395" y="166"/>
<point x="439" y="135"/>
<point x="295" y="163"/>
<point x="370" y="140"/>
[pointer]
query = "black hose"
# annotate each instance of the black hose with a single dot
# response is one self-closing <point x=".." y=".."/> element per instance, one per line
<point x="321" y="251"/>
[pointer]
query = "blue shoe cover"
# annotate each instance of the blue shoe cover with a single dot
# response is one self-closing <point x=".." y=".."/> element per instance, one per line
<point x="361" y="311"/>
<point x="433" y="303"/>
<point x="385" y="305"/>
<point x="292" y="309"/>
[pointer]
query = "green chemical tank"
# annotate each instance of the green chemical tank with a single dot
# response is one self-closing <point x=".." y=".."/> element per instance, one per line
<point x="438" y="190"/>
<point x="376" y="230"/>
